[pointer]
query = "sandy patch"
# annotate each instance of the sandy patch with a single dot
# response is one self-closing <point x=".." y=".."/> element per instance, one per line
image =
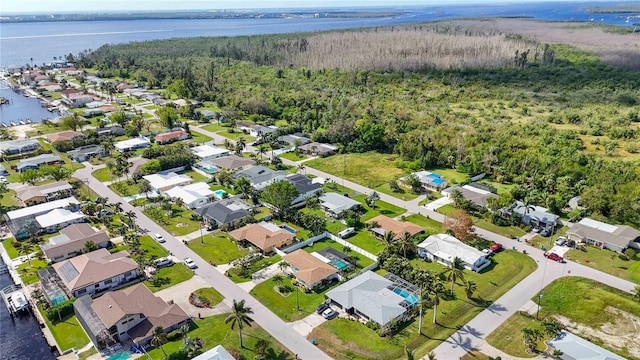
<point x="623" y="334"/>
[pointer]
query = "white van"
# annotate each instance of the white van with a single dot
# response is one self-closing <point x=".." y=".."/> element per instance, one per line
<point x="162" y="262"/>
<point x="346" y="232"/>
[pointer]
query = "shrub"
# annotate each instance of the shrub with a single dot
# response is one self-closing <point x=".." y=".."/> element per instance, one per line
<point x="61" y="310"/>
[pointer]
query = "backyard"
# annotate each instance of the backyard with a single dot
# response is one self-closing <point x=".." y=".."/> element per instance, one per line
<point x="68" y="333"/>
<point x="284" y="305"/>
<point x="218" y="248"/>
<point x="361" y="260"/>
<point x="343" y="339"/>
<point x="9" y="248"/>
<point x="29" y="270"/>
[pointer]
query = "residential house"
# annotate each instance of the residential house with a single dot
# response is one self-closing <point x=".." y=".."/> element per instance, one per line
<point x="113" y="130"/>
<point x="92" y="112"/>
<point x="384" y="224"/>
<point x="232" y="162"/>
<point x="128" y="314"/>
<point x="444" y="248"/>
<point x="21" y="221"/>
<point x="122" y="86"/>
<point x="305" y="186"/>
<point x="309" y="270"/>
<point x="64" y="136"/>
<point x="336" y="204"/>
<point x="56" y="219"/>
<point x="71" y="242"/>
<point x="375" y="298"/>
<point x="208" y="152"/>
<point x="68" y="92"/>
<point x="94" y="104"/>
<point x="224" y="212"/>
<point x="260" y="176"/>
<point x="96" y="271"/>
<point x="163" y="182"/>
<point x="477" y="196"/>
<point x="19" y="146"/>
<point x="37" y="161"/>
<point x="172" y="136"/>
<point x="84" y="153"/>
<point x="77" y="100"/>
<point x="217" y="353"/>
<point x="533" y="215"/>
<point x="265" y="236"/>
<point x="603" y="235"/>
<point x="293" y="140"/>
<point x="207" y="114"/>
<point x="33" y="195"/>
<point x="318" y="149"/>
<point x="431" y="181"/>
<point x="573" y="347"/>
<point x="193" y="196"/>
<point x="132" y="144"/>
<point x="256" y="130"/>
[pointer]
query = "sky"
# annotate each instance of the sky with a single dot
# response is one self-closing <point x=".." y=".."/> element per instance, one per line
<point x="51" y="6"/>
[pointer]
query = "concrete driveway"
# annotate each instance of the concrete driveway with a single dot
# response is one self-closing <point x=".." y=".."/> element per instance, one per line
<point x="306" y="325"/>
<point x="179" y="294"/>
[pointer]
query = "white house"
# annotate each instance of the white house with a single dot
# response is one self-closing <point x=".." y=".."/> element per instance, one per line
<point x="335" y="204"/>
<point x="217" y="353"/>
<point x="132" y="144"/>
<point x="194" y="195"/>
<point x="164" y="182"/>
<point x="444" y="248"/>
<point x="207" y="152"/>
<point x="59" y="218"/>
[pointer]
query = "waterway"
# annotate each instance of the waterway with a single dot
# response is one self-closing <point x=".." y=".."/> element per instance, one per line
<point x="21" y="107"/>
<point x="20" y="337"/>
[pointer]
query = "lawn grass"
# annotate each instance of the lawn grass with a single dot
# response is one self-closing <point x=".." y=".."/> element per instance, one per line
<point x="285" y="305"/>
<point x="343" y="339"/>
<point x="451" y="175"/>
<point x="608" y="261"/>
<point x="152" y="248"/>
<point x="125" y="188"/>
<point x="196" y="176"/>
<point x="213" y="331"/>
<point x="508" y="336"/>
<point x="199" y="138"/>
<point x="215" y="187"/>
<point x="291" y="155"/>
<point x="9" y="248"/>
<point x="211" y="295"/>
<point x="9" y="200"/>
<point x="214" y="127"/>
<point x="403" y="194"/>
<point x="68" y="333"/>
<point x="178" y="225"/>
<point x="539" y="241"/>
<point x="507" y="231"/>
<point x="365" y="240"/>
<point x="369" y="169"/>
<point x="361" y="260"/>
<point x="474" y="355"/>
<point x="176" y="274"/>
<point x="87" y="354"/>
<point x="29" y="271"/>
<point x="236" y="135"/>
<point x="219" y="248"/>
<point x="382" y="208"/>
<point x="103" y="175"/>
<point x="430" y="226"/>
<point x="263" y="212"/>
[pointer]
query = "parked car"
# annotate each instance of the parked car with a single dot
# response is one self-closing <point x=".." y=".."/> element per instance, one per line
<point x="159" y="238"/>
<point x="329" y="314"/>
<point x="496" y="247"/>
<point x="162" y="262"/>
<point x="553" y="256"/>
<point x="4" y="180"/>
<point x="346" y="232"/>
<point x="561" y="241"/>
<point x="189" y="263"/>
<point x="321" y="308"/>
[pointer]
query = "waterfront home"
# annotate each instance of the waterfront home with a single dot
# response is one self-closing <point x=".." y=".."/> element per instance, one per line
<point x="318" y="149"/>
<point x="84" y="153"/>
<point x="33" y="195"/>
<point x="128" y="314"/>
<point x="336" y="204"/>
<point x="604" y="236"/>
<point x="260" y="176"/>
<point x="19" y="146"/>
<point x="77" y="100"/>
<point x="224" y="212"/>
<point x="473" y="193"/>
<point x="71" y="242"/>
<point x="375" y="298"/>
<point x="20" y="220"/>
<point x="208" y="152"/>
<point x="309" y="270"/>
<point x="64" y="136"/>
<point x="444" y="248"/>
<point x="381" y="224"/>
<point x="56" y="219"/>
<point x="96" y="271"/>
<point x="193" y="195"/>
<point x="37" y="161"/>
<point x="306" y="188"/>
<point x="265" y="236"/>
<point x="140" y="142"/>
<point x="172" y="136"/>
<point x="164" y="182"/>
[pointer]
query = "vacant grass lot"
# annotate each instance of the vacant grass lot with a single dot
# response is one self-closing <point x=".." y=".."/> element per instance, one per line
<point x="508" y="336"/>
<point x="219" y="248"/>
<point x="403" y="194"/>
<point x="199" y="138"/>
<point x="342" y="339"/>
<point x="382" y="208"/>
<point x="175" y="274"/>
<point x="608" y="261"/>
<point x="213" y="331"/>
<point x="178" y="225"/>
<point x="508" y="231"/>
<point x="430" y="226"/>
<point x="68" y="333"/>
<point x="369" y="169"/>
<point x="125" y="188"/>
<point x="285" y="305"/>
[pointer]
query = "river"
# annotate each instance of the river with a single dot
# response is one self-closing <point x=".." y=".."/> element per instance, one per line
<point x="21" y="107"/>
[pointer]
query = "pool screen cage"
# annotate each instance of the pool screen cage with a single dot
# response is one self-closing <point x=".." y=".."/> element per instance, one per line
<point x="402" y="284"/>
<point x="51" y="284"/>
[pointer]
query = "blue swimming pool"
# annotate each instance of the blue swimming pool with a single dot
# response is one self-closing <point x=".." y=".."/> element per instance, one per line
<point x="58" y="297"/>
<point x="411" y="299"/>
<point x="438" y="181"/>
<point x="120" y="356"/>
<point x="210" y="169"/>
<point x="289" y="229"/>
<point x="220" y="193"/>
<point x="340" y="265"/>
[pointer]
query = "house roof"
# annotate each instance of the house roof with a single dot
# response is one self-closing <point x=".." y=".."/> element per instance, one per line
<point x="64" y="136"/>
<point x="337" y="203"/>
<point x="41" y="208"/>
<point x="207" y="151"/>
<point x="292" y="138"/>
<point x="72" y="238"/>
<point x="93" y="267"/>
<point x="263" y="129"/>
<point x="217" y="353"/>
<point x="320" y="148"/>
<point x="477" y="196"/>
<point x="310" y="269"/>
<point x="303" y="184"/>
<point x="131" y="143"/>
<point x="369" y="294"/>
<point x="115" y="305"/>
<point x="535" y="212"/>
<point x="262" y="235"/>
<point x="58" y="216"/>
<point x="447" y="247"/>
<point x="37" y="160"/>
<point x="620" y="235"/>
<point x="397" y="227"/>
<point x="161" y="181"/>
<point x="190" y="193"/>
<point x="171" y="135"/>
<point x="232" y="162"/>
<point x="225" y="211"/>
<point x="14" y="145"/>
<point x="575" y="347"/>
<point x="259" y="174"/>
<point x="29" y="192"/>
<point x="85" y="150"/>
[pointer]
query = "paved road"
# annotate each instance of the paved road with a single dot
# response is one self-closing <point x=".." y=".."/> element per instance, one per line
<point x="280" y="330"/>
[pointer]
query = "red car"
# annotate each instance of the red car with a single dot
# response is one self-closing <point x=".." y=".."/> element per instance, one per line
<point x="554" y="257"/>
<point x="496" y="247"/>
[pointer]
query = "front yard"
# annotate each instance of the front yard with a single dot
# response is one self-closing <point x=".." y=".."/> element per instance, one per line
<point x="169" y="276"/>
<point x="284" y="305"/>
<point x="219" y="248"/>
<point x="507" y="231"/>
<point x="608" y="261"/>
<point x="181" y="223"/>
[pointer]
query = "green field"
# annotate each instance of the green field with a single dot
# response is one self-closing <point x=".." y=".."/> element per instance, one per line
<point x="199" y="138"/>
<point x="285" y="306"/>
<point x="211" y="295"/>
<point x="103" y="175"/>
<point x="430" y="226"/>
<point x="9" y="248"/>
<point x="369" y="169"/>
<point x="175" y="274"/>
<point x="219" y="248"/>
<point x="68" y="333"/>
<point x="608" y="261"/>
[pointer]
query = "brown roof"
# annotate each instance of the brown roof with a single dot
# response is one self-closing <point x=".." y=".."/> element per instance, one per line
<point x="114" y="305"/>
<point x="78" y="235"/>
<point x="232" y="162"/>
<point x="395" y="226"/>
<point x="71" y="91"/>
<point x="64" y="136"/>
<point x="262" y="237"/>
<point x="94" y="267"/>
<point x="170" y="135"/>
<point x="29" y="192"/>
<point x="310" y="269"/>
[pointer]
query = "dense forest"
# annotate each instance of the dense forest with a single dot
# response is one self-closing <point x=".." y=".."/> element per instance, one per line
<point x="553" y="119"/>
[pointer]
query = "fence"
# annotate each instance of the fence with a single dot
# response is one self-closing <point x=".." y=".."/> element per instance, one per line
<point x="302" y="244"/>
<point x="353" y="247"/>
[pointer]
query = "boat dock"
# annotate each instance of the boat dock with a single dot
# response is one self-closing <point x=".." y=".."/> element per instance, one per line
<point x="15" y="299"/>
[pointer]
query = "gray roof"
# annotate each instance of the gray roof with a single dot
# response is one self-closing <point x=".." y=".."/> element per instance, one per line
<point x="263" y="129"/>
<point x="259" y="174"/>
<point x="291" y="139"/>
<point x="337" y="203"/>
<point x="535" y="212"/>
<point x="224" y="211"/>
<point x="17" y="145"/>
<point x="303" y="184"/>
<point x="369" y="294"/>
<point x="477" y="196"/>
<point x="85" y="150"/>
<point x="620" y="235"/>
<point x="37" y="161"/>
<point x="575" y="347"/>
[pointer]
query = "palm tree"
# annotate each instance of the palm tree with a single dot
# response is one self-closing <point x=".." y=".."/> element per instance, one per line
<point x="457" y="198"/>
<point x="278" y="280"/>
<point x="431" y="356"/>
<point x="283" y="265"/>
<point x="131" y="215"/>
<point x="240" y="145"/>
<point x="470" y="288"/>
<point x="145" y="187"/>
<point x="409" y="353"/>
<point x="347" y="250"/>
<point x="117" y="207"/>
<point x="262" y="149"/>
<point x="302" y="168"/>
<point x="389" y="238"/>
<point x="531" y="337"/>
<point x="551" y="328"/>
<point x="406" y="243"/>
<point x="435" y="292"/>
<point x="239" y="316"/>
<point x="454" y="272"/>
<point x="158" y="338"/>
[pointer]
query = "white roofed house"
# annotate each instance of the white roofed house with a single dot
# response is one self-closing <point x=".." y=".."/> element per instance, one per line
<point x="194" y="195"/>
<point x="58" y="218"/>
<point x="444" y="248"/>
<point x="336" y="204"/>
<point x="23" y="222"/>
<point x="164" y="182"/>
<point x="19" y="146"/>
<point x="603" y="235"/>
<point x="208" y="152"/>
<point x="260" y="176"/>
<point x="132" y="144"/>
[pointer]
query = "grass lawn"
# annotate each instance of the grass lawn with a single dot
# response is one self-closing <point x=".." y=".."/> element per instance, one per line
<point x="403" y="194"/>
<point x="209" y="294"/>
<point x="451" y="175"/>
<point x="508" y="336"/>
<point x="152" y="248"/>
<point x="382" y="208"/>
<point x="214" y="331"/>
<point x="218" y="248"/>
<point x="263" y="212"/>
<point x="103" y="175"/>
<point x="343" y="339"/>
<point x="68" y="333"/>
<point x="214" y="127"/>
<point x="236" y="135"/>
<point x="285" y="305"/>
<point x="29" y="271"/>
<point x="607" y="261"/>
<point x="86" y="354"/>
<point x="196" y="176"/>
<point x="431" y="226"/>
<point x="361" y="260"/>
<point x="178" y="225"/>
<point x="234" y="273"/>
<point x="291" y="155"/>
<point x="176" y="274"/>
<point x="9" y="200"/>
<point x="366" y="241"/>
<point x="369" y="169"/>
<point x="301" y="233"/>
<point x="9" y="248"/>
<point x="124" y="188"/>
<point x="199" y="138"/>
<point x="215" y="187"/>
<point x="507" y="231"/>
